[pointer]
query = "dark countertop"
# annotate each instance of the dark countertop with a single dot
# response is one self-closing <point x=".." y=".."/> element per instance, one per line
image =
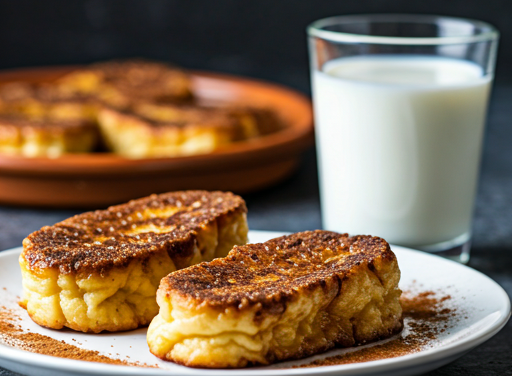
<point x="293" y="205"/>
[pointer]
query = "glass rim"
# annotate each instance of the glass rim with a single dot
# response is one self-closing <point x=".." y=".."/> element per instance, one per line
<point x="315" y="29"/>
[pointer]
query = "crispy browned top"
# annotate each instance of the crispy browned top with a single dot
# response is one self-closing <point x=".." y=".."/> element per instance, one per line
<point x="239" y="122"/>
<point x="15" y="91"/>
<point x="139" y="79"/>
<point x="182" y="113"/>
<point x="271" y="273"/>
<point x="23" y="92"/>
<point x="191" y="118"/>
<point x="25" y="124"/>
<point x="99" y="240"/>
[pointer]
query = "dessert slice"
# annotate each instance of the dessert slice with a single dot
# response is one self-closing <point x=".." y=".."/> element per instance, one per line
<point x="36" y="121"/>
<point x="100" y="270"/>
<point x="197" y="132"/>
<point x="44" y="101"/>
<point x="287" y="298"/>
<point x="156" y="130"/>
<point x="124" y="82"/>
<point x="45" y="138"/>
<point x="251" y="121"/>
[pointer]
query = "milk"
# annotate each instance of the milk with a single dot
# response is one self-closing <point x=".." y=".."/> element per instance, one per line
<point x="399" y="142"/>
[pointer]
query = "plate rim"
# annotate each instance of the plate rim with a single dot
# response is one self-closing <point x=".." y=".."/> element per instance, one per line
<point x="453" y="349"/>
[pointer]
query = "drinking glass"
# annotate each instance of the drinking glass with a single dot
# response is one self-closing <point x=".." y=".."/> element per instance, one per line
<point x="400" y="104"/>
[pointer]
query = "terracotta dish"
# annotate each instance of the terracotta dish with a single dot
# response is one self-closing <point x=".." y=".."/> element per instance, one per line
<point x="99" y="179"/>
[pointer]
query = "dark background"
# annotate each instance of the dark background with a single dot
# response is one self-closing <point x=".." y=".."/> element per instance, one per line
<point x="259" y="38"/>
<point x="266" y="39"/>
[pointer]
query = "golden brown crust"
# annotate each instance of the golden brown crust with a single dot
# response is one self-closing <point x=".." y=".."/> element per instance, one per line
<point x="247" y="121"/>
<point x="16" y="91"/>
<point x="145" y="79"/>
<point x="122" y="82"/>
<point x="100" y="240"/>
<point x="44" y="124"/>
<point x="273" y="272"/>
<point x="186" y="117"/>
<point x="45" y="105"/>
<point x="19" y="92"/>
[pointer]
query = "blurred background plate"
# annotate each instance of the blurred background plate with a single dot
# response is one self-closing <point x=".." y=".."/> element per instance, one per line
<point x="101" y="179"/>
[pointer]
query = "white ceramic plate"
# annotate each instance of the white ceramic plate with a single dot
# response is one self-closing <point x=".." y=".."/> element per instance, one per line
<point x="485" y="304"/>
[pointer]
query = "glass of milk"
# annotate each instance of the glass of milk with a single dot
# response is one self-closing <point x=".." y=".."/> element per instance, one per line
<point x="400" y="105"/>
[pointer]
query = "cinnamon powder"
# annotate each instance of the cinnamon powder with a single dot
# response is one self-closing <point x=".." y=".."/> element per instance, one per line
<point x="425" y="317"/>
<point x="13" y="335"/>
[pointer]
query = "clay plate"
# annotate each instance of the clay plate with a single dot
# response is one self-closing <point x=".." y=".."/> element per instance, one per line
<point x="99" y="179"/>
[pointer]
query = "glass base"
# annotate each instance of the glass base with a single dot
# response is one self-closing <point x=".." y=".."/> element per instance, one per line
<point x="456" y="249"/>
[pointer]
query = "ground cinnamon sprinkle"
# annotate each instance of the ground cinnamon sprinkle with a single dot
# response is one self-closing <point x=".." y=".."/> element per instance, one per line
<point x="425" y="317"/>
<point x="12" y="334"/>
